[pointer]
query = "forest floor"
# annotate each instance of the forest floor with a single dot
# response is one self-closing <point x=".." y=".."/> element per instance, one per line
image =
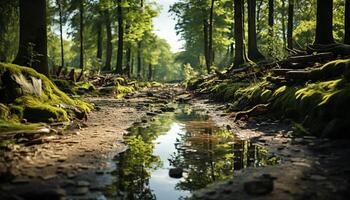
<point x="77" y="164"/>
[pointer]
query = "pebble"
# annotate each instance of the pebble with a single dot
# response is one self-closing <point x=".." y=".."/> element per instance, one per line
<point x="318" y="178"/>
<point x="81" y="190"/>
<point x="83" y="184"/>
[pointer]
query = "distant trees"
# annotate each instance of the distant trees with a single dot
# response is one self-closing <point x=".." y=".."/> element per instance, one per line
<point x="347" y="22"/>
<point x="290" y="24"/>
<point x="32" y="49"/>
<point x="253" y="52"/>
<point x="119" y="66"/>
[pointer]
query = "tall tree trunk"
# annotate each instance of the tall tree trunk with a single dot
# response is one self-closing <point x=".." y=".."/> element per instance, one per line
<point x="239" y="42"/>
<point x="99" y="41"/>
<point x="258" y="28"/>
<point x="139" y="48"/>
<point x="347" y="22"/>
<point x="271" y="16"/>
<point x="128" y="60"/>
<point x="253" y="52"/>
<point x="33" y="36"/>
<point x="284" y="24"/>
<point x="206" y="44"/>
<point x="109" y="48"/>
<point x="139" y="59"/>
<point x="290" y="24"/>
<point x="150" y="72"/>
<point x="59" y="4"/>
<point x="324" y="22"/>
<point x="81" y="11"/>
<point x="210" y="45"/>
<point x="119" y="66"/>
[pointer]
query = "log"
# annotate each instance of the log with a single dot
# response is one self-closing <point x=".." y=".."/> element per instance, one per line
<point x="309" y="58"/>
<point x="299" y="75"/>
<point x="337" y="49"/>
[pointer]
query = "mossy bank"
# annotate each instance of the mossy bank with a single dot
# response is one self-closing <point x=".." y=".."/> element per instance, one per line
<point x="320" y="104"/>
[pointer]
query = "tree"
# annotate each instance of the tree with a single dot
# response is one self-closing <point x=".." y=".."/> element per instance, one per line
<point x="210" y="47"/>
<point x="253" y="52"/>
<point x="81" y="34"/>
<point x="119" y="66"/>
<point x="324" y="22"/>
<point x="33" y="36"/>
<point x="60" y="11"/>
<point x="239" y="41"/>
<point x="290" y="24"/>
<point x="109" y="47"/>
<point x="347" y="22"/>
<point x="271" y="16"/>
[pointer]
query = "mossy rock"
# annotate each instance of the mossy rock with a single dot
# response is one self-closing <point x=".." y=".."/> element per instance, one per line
<point x="38" y="99"/>
<point x="331" y="70"/>
<point x="4" y="111"/>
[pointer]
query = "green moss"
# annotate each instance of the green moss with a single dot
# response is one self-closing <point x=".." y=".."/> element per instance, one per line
<point x="38" y="107"/>
<point x="6" y="125"/>
<point x="4" y="111"/>
<point x="331" y="70"/>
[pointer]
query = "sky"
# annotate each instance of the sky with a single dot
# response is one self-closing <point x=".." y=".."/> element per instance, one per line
<point x="164" y="26"/>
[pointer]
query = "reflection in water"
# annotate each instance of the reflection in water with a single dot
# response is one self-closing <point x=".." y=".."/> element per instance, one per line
<point x="187" y="140"/>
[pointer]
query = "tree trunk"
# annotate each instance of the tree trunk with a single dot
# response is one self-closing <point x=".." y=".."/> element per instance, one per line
<point x="81" y="11"/>
<point x="139" y="60"/>
<point x="347" y="22"/>
<point x="258" y="28"/>
<point x="109" y="48"/>
<point x="253" y="52"/>
<point x="150" y="72"/>
<point x="324" y="22"/>
<point x="271" y="16"/>
<point x="284" y="24"/>
<point x="290" y="24"/>
<point x="210" y="47"/>
<point x="59" y="3"/>
<point x="99" y="41"/>
<point x="33" y="36"/>
<point x="239" y="42"/>
<point x="206" y="44"/>
<point x="119" y="66"/>
<point x="128" y="59"/>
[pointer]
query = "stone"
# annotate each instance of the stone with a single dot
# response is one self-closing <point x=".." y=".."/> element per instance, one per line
<point x="81" y="191"/>
<point x="176" y="172"/>
<point x="318" y="178"/>
<point x="260" y="186"/>
<point x="83" y="184"/>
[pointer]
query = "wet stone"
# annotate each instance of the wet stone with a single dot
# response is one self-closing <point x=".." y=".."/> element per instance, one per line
<point x="83" y="184"/>
<point x="318" y="178"/>
<point x="81" y="191"/>
<point x="260" y="186"/>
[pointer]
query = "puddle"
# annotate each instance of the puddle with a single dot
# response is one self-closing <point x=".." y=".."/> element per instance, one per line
<point x="186" y="140"/>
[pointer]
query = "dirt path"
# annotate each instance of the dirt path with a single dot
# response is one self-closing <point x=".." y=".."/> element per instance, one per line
<point x="76" y="163"/>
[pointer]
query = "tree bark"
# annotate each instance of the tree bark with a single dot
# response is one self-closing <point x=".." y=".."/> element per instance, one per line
<point x="271" y="16"/>
<point x="32" y="50"/>
<point x="128" y="60"/>
<point x="324" y="22"/>
<point x="347" y="22"/>
<point x="81" y="11"/>
<point x="210" y="46"/>
<point x="290" y="24"/>
<point x="284" y="37"/>
<point x="239" y="42"/>
<point x="59" y="3"/>
<point x="150" y="72"/>
<point x="109" y="48"/>
<point x="206" y="44"/>
<point x="119" y="66"/>
<point x="253" y="52"/>
<point x="139" y="60"/>
<point x="99" y="41"/>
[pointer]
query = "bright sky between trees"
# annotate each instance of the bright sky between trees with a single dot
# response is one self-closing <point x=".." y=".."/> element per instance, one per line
<point x="164" y="26"/>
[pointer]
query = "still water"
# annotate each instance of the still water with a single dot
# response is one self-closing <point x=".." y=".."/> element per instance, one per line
<point x="188" y="140"/>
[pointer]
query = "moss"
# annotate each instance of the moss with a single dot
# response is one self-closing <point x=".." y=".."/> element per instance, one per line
<point x="331" y="70"/>
<point x="44" y="107"/>
<point x="4" y="111"/>
<point x="11" y="125"/>
<point x="121" y="90"/>
<point x="83" y="88"/>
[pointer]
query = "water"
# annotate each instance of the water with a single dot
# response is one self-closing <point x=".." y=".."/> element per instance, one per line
<point x="186" y="139"/>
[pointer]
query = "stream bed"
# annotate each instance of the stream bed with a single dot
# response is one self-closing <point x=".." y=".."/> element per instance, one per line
<point x="185" y="144"/>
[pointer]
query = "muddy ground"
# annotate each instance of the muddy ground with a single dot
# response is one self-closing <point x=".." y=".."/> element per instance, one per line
<point x="76" y="163"/>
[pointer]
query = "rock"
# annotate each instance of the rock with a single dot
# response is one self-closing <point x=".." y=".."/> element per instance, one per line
<point x="83" y="184"/>
<point x="151" y="114"/>
<point x="176" y="172"/>
<point x="318" y="178"/>
<point x="260" y="186"/>
<point x="150" y="94"/>
<point x="81" y="190"/>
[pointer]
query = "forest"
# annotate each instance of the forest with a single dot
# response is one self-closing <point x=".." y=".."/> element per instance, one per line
<point x="174" y="99"/>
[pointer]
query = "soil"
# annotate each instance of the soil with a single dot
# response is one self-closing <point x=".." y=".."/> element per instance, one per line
<point x="76" y="164"/>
